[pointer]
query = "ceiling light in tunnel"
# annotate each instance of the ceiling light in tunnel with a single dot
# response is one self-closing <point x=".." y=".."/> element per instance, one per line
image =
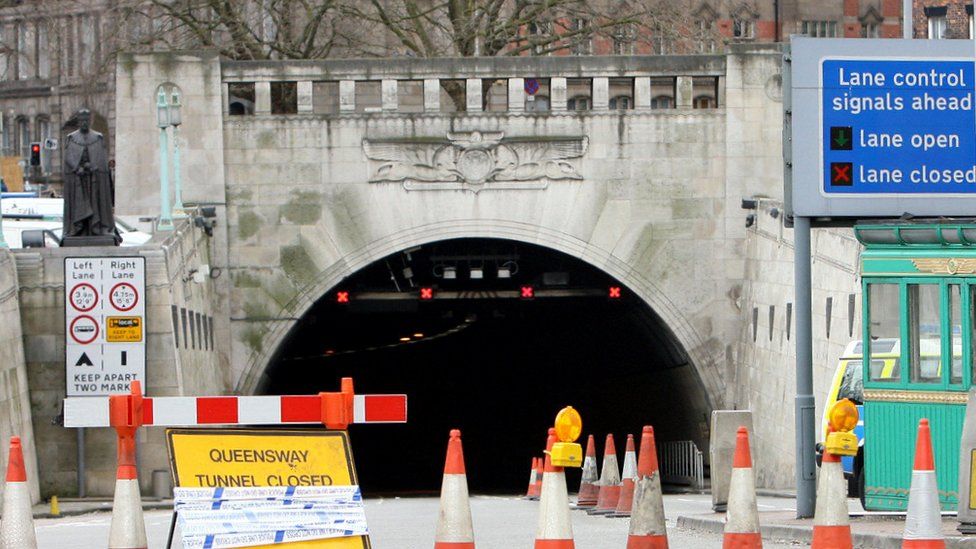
<point x="477" y="273"/>
<point x="404" y="339"/>
<point x="504" y="272"/>
<point x="418" y="335"/>
<point x="450" y="273"/>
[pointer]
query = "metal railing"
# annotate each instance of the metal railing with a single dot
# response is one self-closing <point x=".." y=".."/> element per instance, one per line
<point x="682" y="463"/>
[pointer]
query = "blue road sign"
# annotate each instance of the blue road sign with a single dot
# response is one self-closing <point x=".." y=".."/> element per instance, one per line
<point x="898" y="126"/>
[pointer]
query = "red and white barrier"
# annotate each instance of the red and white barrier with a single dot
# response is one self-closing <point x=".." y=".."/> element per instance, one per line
<point x="236" y="410"/>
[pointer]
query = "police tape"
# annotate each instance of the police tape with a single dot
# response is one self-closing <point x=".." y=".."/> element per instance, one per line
<point x="211" y="518"/>
<point x="223" y="541"/>
<point x="229" y="522"/>
<point x="332" y="493"/>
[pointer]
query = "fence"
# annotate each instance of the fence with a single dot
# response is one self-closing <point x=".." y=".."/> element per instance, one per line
<point x="682" y="463"/>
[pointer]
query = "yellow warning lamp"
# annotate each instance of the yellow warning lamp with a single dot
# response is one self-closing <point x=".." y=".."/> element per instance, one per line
<point x="566" y="452"/>
<point x="842" y="418"/>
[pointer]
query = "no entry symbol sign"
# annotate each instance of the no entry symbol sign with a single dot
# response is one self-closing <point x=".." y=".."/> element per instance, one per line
<point x="83" y="329"/>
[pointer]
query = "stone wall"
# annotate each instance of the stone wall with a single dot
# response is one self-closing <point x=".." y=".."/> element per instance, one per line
<point x="190" y="370"/>
<point x="763" y="377"/>
<point x="15" y="411"/>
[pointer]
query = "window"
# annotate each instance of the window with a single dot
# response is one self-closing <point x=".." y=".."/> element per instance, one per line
<point x="579" y="103"/>
<point x="704" y="102"/>
<point x="582" y="43"/>
<point x="937" y="27"/>
<point x="955" y="333"/>
<point x="8" y="148"/>
<point x="87" y="43"/>
<point x="540" y="103"/>
<point x="925" y="333"/>
<point x="325" y="97"/>
<point x="539" y="32"/>
<point x="494" y="94"/>
<point x="43" y="132"/>
<point x="43" y="52"/>
<point x="743" y="28"/>
<point x="410" y="96"/>
<point x="706" y="37"/>
<point x="621" y="102"/>
<point x="971" y="29"/>
<point x="23" y="136"/>
<point x="819" y="29"/>
<point x="662" y="102"/>
<point x="369" y="96"/>
<point x="26" y="49"/>
<point x="870" y="30"/>
<point x="624" y="37"/>
<point x="884" y="331"/>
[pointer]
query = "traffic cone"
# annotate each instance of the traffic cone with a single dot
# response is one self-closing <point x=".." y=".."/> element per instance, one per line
<point x="454" y="521"/>
<point x="923" y="523"/>
<point x="17" y="525"/>
<point x="128" y="528"/>
<point x="742" y="517"/>
<point x="831" y="524"/>
<point x="532" y="478"/>
<point x="647" y="526"/>
<point x="626" y="500"/>
<point x="589" y="491"/>
<point x="555" y="529"/>
<point x="609" y="481"/>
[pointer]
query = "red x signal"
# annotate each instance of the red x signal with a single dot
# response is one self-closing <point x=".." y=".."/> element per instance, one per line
<point x="842" y="173"/>
<point x="342" y="297"/>
<point x="426" y="293"/>
<point x="614" y="292"/>
<point x="528" y="292"/>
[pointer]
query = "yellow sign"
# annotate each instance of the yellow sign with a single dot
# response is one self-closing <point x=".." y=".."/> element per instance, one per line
<point x="215" y="458"/>
<point x="123" y="329"/>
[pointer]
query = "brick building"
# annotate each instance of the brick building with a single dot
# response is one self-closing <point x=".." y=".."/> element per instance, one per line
<point x="939" y="19"/>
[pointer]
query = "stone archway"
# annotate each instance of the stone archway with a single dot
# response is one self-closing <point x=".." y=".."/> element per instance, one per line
<point x="704" y="358"/>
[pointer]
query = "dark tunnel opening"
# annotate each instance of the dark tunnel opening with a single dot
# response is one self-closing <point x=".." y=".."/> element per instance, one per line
<point x="482" y="357"/>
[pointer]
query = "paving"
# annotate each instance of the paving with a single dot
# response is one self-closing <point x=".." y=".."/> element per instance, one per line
<point x="506" y="521"/>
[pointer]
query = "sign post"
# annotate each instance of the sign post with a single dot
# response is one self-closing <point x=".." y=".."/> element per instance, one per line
<point x="105" y="336"/>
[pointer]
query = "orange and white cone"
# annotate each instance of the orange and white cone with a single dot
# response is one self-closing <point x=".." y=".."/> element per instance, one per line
<point x="536" y="491"/>
<point x="128" y="529"/>
<point x="629" y="477"/>
<point x="454" y="529"/>
<point x="606" y="502"/>
<point x="923" y="523"/>
<point x="647" y="526"/>
<point x="831" y="523"/>
<point x="742" y="517"/>
<point x="555" y="529"/>
<point x="17" y="525"/>
<point x="532" y="477"/>
<point x="589" y="491"/>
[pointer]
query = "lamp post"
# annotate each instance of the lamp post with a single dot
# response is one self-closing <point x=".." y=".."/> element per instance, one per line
<point x="3" y="243"/>
<point x="175" y="119"/>
<point x="163" y="121"/>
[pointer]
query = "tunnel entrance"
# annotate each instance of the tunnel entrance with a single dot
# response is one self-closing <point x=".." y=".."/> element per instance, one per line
<point x="492" y="337"/>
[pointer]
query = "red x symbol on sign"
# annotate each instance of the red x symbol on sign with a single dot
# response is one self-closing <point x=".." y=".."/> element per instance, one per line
<point x="342" y="297"/>
<point x="528" y="292"/>
<point x="841" y="173"/>
<point x="614" y="292"/>
<point x="426" y="293"/>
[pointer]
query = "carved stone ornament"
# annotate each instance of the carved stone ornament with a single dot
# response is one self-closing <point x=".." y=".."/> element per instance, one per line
<point x="474" y="161"/>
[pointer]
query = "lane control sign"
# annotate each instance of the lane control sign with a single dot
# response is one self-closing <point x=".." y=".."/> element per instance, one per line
<point x="105" y="314"/>
<point x="232" y="459"/>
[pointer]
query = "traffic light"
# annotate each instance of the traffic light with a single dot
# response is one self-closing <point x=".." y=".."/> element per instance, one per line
<point x="614" y="292"/>
<point x="527" y="292"/>
<point x="35" y="154"/>
<point x="342" y="296"/>
<point x="426" y="293"/>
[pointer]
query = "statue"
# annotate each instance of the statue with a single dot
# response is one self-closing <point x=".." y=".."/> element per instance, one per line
<point x="88" y="188"/>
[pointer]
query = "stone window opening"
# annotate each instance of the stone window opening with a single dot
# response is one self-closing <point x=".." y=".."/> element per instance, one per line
<point x="582" y="43"/>
<point x="540" y="31"/>
<point x="284" y="98"/>
<point x="744" y="24"/>
<point x="580" y="93"/>
<point x="937" y="25"/>
<point x="663" y="93"/>
<point x="454" y="95"/>
<point x="624" y="39"/>
<point x="621" y="94"/>
<point x="871" y="23"/>
<point x="410" y="96"/>
<point x="494" y="94"/>
<point x="369" y="96"/>
<point x="704" y="28"/>
<point x="23" y="136"/>
<point x="539" y="100"/>
<point x="704" y="90"/>
<point x="240" y="98"/>
<point x="819" y="29"/>
<point x="325" y="97"/>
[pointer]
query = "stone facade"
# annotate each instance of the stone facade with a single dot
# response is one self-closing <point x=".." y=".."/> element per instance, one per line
<point x="15" y="405"/>
<point x="762" y="376"/>
<point x="171" y="369"/>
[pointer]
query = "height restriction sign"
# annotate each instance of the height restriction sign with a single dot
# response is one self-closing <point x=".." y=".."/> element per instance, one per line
<point x="104" y="315"/>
